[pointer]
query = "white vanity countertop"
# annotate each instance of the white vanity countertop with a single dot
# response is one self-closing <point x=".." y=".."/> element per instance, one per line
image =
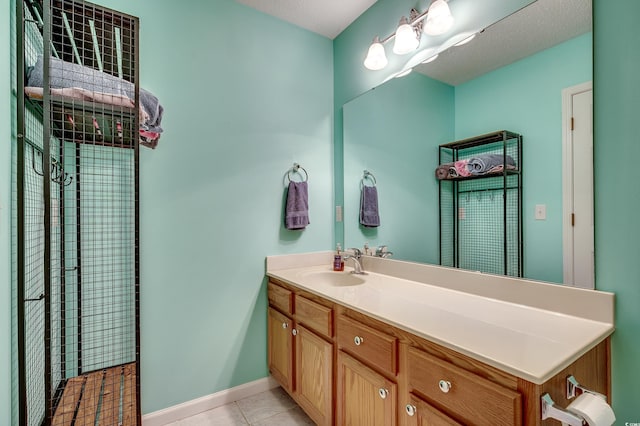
<point x="527" y="341"/>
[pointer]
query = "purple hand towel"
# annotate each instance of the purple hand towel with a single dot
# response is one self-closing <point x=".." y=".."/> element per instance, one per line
<point x="369" y="215"/>
<point x="297" y="208"/>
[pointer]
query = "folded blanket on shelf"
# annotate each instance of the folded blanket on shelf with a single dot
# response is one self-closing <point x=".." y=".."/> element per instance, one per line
<point x="479" y="165"/>
<point x="442" y="171"/>
<point x="482" y="164"/>
<point x="87" y="83"/>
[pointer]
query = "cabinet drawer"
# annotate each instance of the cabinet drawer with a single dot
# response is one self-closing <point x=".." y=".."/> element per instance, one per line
<point x="465" y="396"/>
<point x="374" y="347"/>
<point x="315" y="316"/>
<point x="421" y="413"/>
<point x="280" y="298"/>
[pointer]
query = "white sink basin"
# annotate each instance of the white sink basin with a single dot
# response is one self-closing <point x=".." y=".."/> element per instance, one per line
<point x="338" y="279"/>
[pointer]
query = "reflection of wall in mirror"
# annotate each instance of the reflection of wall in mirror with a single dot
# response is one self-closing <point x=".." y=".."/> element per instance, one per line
<point x="524" y="97"/>
<point x="390" y="131"/>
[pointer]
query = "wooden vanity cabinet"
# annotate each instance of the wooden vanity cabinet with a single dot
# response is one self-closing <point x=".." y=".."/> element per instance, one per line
<point x="468" y="397"/>
<point x="280" y="348"/>
<point x="364" y="397"/>
<point x="300" y="350"/>
<point x="370" y="373"/>
<point x="421" y="413"/>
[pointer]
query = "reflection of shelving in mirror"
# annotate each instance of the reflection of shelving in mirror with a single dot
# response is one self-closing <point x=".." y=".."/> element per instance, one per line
<point x="481" y="205"/>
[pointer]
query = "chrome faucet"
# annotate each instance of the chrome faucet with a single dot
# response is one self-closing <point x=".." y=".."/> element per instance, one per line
<point x="383" y="252"/>
<point x="356" y="256"/>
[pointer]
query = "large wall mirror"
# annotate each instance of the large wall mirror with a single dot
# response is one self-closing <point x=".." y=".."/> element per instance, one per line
<point x="512" y="76"/>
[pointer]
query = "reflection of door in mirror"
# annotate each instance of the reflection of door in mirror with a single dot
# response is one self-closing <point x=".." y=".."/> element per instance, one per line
<point x="578" y="242"/>
<point x="524" y="96"/>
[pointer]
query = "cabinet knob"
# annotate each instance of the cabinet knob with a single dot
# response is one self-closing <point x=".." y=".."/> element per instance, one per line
<point x="444" y="385"/>
<point x="410" y="409"/>
<point x="358" y="340"/>
<point x="285" y="325"/>
<point x="383" y="393"/>
<point x="294" y="332"/>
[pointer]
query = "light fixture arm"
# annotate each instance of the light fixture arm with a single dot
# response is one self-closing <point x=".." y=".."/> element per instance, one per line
<point x="415" y="20"/>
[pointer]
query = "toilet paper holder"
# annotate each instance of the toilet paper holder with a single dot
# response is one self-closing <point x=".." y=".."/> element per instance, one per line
<point x="573" y="386"/>
<point x="552" y="411"/>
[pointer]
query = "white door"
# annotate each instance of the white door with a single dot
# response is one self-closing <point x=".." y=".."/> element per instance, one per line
<point x="578" y="187"/>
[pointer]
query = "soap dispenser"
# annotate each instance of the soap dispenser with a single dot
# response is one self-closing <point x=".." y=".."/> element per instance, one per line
<point x="338" y="261"/>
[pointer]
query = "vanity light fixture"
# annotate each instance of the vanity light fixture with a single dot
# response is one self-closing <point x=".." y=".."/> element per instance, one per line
<point x="376" y="58"/>
<point x="407" y="36"/>
<point x="439" y="19"/>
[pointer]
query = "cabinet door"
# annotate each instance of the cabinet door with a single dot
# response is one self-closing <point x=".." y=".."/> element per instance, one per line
<point x="314" y="373"/>
<point x="420" y="413"/>
<point x="280" y="348"/>
<point x="364" y="397"/>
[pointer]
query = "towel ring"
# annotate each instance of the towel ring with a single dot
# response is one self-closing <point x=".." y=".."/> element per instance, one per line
<point x="368" y="175"/>
<point x="296" y="169"/>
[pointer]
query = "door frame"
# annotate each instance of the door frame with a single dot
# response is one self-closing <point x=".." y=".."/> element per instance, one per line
<point x="567" y="178"/>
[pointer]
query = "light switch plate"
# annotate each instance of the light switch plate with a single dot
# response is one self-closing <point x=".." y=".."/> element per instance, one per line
<point x="541" y="212"/>
<point x="338" y="213"/>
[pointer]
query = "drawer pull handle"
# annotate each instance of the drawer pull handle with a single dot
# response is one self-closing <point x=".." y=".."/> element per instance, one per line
<point x="358" y="340"/>
<point x="410" y="409"/>
<point x="444" y="385"/>
<point x="285" y="325"/>
<point x="383" y="393"/>
<point x="294" y="332"/>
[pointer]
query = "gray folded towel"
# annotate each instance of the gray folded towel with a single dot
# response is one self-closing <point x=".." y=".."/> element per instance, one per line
<point x="66" y="74"/>
<point x="297" y="208"/>
<point x="369" y="215"/>
<point x="485" y="162"/>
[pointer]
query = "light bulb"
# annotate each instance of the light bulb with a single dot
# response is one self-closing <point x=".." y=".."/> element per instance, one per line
<point x="406" y="38"/>
<point x="439" y="18"/>
<point x="376" y="58"/>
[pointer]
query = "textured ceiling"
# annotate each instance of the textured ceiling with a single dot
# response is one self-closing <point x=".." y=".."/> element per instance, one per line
<point x="325" y="17"/>
<point x="540" y="25"/>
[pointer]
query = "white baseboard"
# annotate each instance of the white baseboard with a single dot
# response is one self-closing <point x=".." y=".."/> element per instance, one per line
<point x="199" y="405"/>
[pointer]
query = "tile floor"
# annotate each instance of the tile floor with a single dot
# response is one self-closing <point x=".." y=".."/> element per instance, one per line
<point x="273" y="407"/>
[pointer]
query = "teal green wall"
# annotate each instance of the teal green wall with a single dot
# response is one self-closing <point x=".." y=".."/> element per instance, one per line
<point x="617" y="193"/>
<point x="525" y="97"/>
<point x="245" y="96"/>
<point x="384" y="132"/>
<point x="5" y="213"/>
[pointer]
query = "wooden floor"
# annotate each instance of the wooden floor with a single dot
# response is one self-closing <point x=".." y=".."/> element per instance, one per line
<point x="108" y="396"/>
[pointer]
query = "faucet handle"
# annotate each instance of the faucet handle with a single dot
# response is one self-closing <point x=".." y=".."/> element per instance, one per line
<point x="381" y="250"/>
<point x="356" y="252"/>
